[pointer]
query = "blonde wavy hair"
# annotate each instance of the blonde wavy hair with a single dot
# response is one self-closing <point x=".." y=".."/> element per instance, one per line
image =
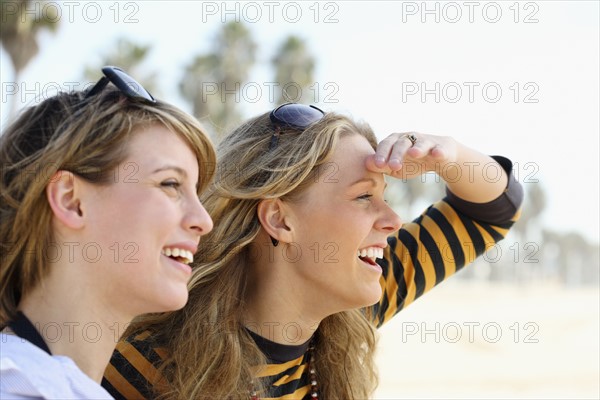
<point x="87" y="136"/>
<point x="209" y="351"/>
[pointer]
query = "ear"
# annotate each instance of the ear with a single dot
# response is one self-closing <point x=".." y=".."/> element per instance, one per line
<point x="62" y="193"/>
<point x="272" y="217"/>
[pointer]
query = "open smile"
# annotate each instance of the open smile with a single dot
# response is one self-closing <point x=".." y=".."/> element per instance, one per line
<point x="370" y="255"/>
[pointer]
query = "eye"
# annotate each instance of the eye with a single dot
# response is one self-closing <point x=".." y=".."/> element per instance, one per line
<point x="172" y="184"/>
<point x="366" y="197"/>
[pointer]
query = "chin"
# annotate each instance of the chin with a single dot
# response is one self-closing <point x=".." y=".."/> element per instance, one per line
<point x="369" y="297"/>
<point x="373" y="300"/>
<point x="173" y="303"/>
<point x="181" y="302"/>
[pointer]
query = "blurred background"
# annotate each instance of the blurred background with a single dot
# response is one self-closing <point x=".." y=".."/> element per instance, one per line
<point x="518" y="78"/>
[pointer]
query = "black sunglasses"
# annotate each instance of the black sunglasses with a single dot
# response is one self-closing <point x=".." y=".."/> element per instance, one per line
<point x="295" y="116"/>
<point x="125" y="83"/>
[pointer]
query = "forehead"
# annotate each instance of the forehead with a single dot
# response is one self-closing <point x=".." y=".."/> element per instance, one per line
<point x="348" y="159"/>
<point x="154" y="138"/>
<point x="156" y="143"/>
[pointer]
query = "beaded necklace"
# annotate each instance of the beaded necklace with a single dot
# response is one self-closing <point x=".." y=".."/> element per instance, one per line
<point x="314" y="389"/>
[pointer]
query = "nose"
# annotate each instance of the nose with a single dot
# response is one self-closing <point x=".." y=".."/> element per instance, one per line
<point x="389" y="222"/>
<point x="197" y="218"/>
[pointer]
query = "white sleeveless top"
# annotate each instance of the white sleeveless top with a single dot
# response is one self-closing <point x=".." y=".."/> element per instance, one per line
<point x="28" y="372"/>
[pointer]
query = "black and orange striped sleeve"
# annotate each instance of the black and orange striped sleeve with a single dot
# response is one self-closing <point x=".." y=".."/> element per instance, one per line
<point x="447" y="236"/>
<point x="131" y="373"/>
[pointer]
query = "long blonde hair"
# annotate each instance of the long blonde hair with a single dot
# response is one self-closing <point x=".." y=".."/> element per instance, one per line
<point x="87" y="136"/>
<point x="209" y="352"/>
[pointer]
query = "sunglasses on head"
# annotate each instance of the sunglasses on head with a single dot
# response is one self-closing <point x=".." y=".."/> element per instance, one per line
<point x="125" y="83"/>
<point x="295" y="116"/>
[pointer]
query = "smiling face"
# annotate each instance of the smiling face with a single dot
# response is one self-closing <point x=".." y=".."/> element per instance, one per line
<point x="341" y="216"/>
<point x="146" y="224"/>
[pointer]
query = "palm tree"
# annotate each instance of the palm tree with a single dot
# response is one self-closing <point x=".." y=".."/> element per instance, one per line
<point x="19" y="32"/>
<point x="199" y="84"/>
<point x="212" y="82"/>
<point x="294" y="71"/>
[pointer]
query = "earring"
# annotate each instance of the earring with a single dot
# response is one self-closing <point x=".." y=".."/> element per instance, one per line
<point x="274" y="241"/>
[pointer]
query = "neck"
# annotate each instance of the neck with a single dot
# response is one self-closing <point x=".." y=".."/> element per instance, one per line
<point x="280" y="327"/>
<point x="280" y="308"/>
<point x="74" y="323"/>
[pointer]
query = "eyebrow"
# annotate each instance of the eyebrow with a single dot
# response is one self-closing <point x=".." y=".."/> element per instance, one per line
<point x="175" y="168"/>
<point x="368" y="180"/>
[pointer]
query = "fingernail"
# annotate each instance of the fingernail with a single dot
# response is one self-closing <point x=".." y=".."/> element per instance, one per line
<point x="394" y="163"/>
<point x="380" y="161"/>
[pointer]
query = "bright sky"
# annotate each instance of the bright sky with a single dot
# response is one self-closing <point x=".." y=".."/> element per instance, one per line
<point x="519" y="79"/>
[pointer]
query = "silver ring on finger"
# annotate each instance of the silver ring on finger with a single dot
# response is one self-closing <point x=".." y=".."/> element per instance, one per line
<point x="412" y="138"/>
